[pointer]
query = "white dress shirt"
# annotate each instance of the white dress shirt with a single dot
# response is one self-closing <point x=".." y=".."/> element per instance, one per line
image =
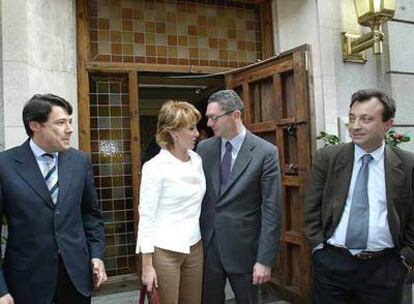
<point x="44" y="163"/>
<point x="379" y="235"/>
<point x="170" y="203"/>
<point x="236" y="142"/>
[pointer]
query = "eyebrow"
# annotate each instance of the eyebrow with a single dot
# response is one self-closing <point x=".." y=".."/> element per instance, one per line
<point x="64" y="119"/>
<point x="362" y="115"/>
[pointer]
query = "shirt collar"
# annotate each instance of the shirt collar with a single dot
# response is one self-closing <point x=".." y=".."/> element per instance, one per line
<point x="376" y="155"/>
<point x="236" y="141"/>
<point x="37" y="151"/>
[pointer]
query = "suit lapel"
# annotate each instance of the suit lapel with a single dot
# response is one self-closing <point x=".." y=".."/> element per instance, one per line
<point x="28" y="169"/>
<point x="394" y="175"/>
<point x="394" y="178"/>
<point x="242" y="161"/>
<point x="64" y="174"/>
<point x="343" y="173"/>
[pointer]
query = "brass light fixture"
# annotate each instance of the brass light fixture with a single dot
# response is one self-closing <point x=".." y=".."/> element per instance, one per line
<point x="372" y="13"/>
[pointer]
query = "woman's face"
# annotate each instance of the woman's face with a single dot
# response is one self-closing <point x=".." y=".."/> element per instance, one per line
<point x="186" y="137"/>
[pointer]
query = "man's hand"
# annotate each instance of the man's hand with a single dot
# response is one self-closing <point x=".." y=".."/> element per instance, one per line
<point x="149" y="277"/>
<point x="6" y="299"/>
<point x="98" y="272"/>
<point x="261" y="273"/>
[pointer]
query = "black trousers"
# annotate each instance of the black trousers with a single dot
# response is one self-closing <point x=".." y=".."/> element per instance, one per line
<point x="341" y="278"/>
<point x="214" y="280"/>
<point x="66" y="293"/>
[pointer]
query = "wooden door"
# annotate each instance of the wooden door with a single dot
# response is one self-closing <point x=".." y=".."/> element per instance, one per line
<point x="276" y="97"/>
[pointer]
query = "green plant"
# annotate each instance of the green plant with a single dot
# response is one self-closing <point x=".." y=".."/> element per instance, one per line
<point x="392" y="138"/>
<point x="329" y="139"/>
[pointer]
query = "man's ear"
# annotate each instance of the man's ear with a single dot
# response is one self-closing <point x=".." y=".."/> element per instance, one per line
<point x="34" y="126"/>
<point x="389" y="123"/>
<point x="237" y="114"/>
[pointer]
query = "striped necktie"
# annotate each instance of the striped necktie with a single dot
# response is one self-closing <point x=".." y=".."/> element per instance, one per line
<point x="51" y="177"/>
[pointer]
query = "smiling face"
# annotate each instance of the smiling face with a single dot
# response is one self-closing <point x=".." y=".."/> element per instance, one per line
<point x="366" y="126"/>
<point x="186" y="137"/>
<point x="54" y="134"/>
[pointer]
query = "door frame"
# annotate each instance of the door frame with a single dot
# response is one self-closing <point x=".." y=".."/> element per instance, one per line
<point x="85" y="67"/>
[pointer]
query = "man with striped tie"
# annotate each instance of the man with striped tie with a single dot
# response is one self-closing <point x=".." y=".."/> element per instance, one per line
<point x="55" y="242"/>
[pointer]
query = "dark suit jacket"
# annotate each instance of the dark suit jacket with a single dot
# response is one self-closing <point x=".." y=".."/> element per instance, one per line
<point x="38" y="230"/>
<point x="328" y="188"/>
<point x="245" y="217"/>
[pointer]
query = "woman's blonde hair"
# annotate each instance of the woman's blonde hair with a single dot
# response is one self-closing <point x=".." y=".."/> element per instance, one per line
<point x="174" y="115"/>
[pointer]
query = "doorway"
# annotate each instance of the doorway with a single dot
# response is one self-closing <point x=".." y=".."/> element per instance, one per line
<point x="119" y="123"/>
<point x="157" y="88"/>
<point x="123" y="111"/>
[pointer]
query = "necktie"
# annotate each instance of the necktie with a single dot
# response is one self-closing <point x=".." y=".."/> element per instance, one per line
<point x="51" y="177"/>
<point x="225" y="165"/>
<point x="357" y="231"/>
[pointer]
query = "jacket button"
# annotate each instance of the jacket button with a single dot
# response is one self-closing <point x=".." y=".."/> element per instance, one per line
<point x="57" y="212"/>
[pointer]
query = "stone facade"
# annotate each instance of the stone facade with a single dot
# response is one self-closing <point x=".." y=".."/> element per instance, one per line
<point x="38" y="56"/>
<point x="320" y="23"/>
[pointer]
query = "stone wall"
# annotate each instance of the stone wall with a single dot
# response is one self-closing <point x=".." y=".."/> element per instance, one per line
<point x="320" y="23"/>
<point x="38" y="56"/>
<point x="400" y="75"/>
<point x="1" y="86"/>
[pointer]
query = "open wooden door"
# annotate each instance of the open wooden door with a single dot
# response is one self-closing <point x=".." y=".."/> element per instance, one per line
<point x="276" y="97"/>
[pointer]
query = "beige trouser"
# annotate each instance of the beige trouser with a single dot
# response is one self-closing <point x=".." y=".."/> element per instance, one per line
<point x="179" y="275"/>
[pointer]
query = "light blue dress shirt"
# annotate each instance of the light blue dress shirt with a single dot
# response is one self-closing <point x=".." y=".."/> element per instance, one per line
<point x="43" y="162"/>
<point x="379" y="235"/>
<point x="236" y="142"/>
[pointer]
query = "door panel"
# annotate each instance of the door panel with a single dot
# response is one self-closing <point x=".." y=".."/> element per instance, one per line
<point x="276" y="97"/>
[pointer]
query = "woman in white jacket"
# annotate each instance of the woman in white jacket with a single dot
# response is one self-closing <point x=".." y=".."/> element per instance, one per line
<point x="172" y="189"/>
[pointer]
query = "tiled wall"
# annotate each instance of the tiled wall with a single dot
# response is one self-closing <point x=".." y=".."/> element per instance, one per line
<point x="111" y="159"/>
<point x="204" y="32"/>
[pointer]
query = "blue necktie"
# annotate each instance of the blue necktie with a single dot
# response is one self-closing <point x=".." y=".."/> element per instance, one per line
<point x="225" y="165"/>
<point x="51" y="177"/>
<point x="357" y="231"/>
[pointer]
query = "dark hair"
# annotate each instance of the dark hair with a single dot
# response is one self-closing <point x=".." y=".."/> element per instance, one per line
<point x="387" y="101"/>
<point x="39" y="107"/>
<point x="227" y="99"/>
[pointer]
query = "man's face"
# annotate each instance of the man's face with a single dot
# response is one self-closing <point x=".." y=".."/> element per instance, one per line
<point x="54" y="134"/>
<point x="222" y="123"/>
<point x="366" y="127"/>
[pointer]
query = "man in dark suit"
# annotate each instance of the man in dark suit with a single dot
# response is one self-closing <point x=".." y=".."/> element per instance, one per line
<point x="55" y="236"/>
<point x="360" y="210"/>
<point x="240" y="216"/>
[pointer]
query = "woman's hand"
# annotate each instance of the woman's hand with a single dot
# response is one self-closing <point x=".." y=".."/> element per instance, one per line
<point x="149" y="277"/>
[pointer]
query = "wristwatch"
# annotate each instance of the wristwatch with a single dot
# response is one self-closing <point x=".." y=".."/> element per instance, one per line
<point x="409" y="267"/>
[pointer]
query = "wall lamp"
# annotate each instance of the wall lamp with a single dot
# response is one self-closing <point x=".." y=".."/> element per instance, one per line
<point x="372" y="13"/>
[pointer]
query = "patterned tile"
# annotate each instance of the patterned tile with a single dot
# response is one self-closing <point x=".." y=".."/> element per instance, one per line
<point x="208" y="33"/>
<point x="111" y="161"/>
